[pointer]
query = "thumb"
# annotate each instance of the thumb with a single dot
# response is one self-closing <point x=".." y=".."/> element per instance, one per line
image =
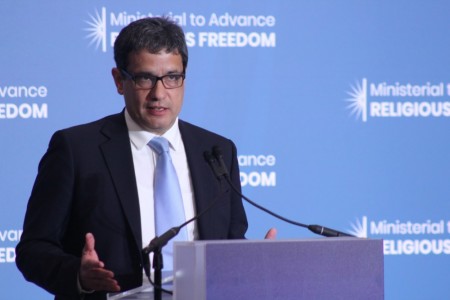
<point x="89" y="243"/>
<point x="89" y="253"/>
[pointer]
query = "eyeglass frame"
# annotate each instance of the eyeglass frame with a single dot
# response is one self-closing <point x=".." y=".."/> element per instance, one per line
<point x="156" y="78"/>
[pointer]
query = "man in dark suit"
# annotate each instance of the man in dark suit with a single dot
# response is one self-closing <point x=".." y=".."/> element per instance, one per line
<point x="85" y="224"/>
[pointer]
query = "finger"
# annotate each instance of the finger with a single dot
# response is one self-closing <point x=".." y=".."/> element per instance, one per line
<point x="98" y="279"/>
<point x="102" y="285"/>
<point x="88" y="264"/>
<point x="99" y="273"/>
<point x="271" y="234"/>
<point x="105" y="285"/>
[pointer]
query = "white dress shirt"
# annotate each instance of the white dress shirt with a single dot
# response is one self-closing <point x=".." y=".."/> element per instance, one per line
<point x="144" y="160"/>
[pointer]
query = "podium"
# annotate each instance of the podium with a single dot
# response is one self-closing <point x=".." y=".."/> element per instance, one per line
<point x="330" y="268"/>
<point x="324" y="268"/>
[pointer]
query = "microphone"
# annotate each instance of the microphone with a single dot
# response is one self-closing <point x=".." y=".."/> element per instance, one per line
<point x="217" y="168"/>
<point x="328" y="232"/>
<point x="221" y="171"/>
<point x="160" y="241"/>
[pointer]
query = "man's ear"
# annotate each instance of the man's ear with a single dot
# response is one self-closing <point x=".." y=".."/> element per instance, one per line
<point x="118" y="80"/>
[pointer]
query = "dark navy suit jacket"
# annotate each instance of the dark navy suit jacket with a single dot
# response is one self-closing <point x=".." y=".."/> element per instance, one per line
<point x="86" y="183"/>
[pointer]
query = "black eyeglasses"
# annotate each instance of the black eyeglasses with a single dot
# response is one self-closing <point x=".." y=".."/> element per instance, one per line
<point x="146" y="81"/>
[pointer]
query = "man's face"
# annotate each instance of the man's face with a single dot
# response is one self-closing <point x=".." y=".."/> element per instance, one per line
<point x="155" y="110"/>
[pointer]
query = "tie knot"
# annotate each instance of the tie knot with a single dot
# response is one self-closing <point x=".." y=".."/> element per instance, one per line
<point x="159" y="144"/>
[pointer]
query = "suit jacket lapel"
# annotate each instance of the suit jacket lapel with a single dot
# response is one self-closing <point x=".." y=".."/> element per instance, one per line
<point x="119" y="159"/>
<point x="204" y="183"/>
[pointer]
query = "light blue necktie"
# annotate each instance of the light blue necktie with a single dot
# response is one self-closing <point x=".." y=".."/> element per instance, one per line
<point x="169" y="210"/>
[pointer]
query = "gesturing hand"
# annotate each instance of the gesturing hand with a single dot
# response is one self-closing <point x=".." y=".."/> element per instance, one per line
<point x="93" y="275"/>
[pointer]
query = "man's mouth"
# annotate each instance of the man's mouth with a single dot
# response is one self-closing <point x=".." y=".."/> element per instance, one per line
<point x="157" y="108"/>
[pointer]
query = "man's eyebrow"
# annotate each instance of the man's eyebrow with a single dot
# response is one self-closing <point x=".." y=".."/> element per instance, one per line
<point x="143" y="73"/>
<point x="175" y="72"/>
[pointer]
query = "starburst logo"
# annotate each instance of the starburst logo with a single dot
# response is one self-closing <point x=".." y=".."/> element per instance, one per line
<point x="358" y="100"/>
<point x="359" y="228"/>
<point x="97" y="29"/>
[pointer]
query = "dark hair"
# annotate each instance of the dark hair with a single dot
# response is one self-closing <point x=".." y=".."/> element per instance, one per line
<point x="153" y="35"/>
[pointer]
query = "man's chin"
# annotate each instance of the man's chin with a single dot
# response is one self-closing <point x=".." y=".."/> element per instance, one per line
<point x="158" y="128"/>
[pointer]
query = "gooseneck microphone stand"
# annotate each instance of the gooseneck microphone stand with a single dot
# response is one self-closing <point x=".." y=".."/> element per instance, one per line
<point x="156" y="246"/>
<point x="157" y="266"/>
<point x="219" y="168"/>
<point x="217" y="164"/>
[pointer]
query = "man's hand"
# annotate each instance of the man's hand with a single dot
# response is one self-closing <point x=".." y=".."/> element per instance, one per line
<point x="271" y="234"/>
<point x="93" y="276"/>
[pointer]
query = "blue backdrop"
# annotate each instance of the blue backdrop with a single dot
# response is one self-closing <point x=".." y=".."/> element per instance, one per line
<point x="339" y="110"/>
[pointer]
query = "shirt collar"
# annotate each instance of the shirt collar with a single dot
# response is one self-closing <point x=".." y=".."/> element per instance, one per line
<point x="140" y="137"/>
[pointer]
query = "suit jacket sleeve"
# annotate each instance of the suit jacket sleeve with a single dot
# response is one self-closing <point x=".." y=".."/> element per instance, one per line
<point x="40" y="254"/>
<point x="85" y="183"/>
